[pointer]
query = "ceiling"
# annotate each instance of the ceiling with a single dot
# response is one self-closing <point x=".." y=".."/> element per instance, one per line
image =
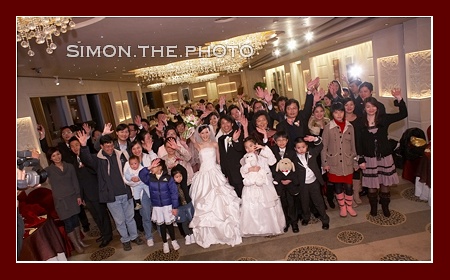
<point x="181" y="32"/>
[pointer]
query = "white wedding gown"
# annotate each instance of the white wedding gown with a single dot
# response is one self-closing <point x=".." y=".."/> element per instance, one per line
<point x="216" y="215"/>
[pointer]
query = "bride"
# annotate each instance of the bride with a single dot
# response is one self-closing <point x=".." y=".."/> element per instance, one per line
<point x="216" y="205"/>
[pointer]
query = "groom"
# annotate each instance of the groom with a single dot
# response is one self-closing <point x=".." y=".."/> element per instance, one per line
<point x="231" y="149"/>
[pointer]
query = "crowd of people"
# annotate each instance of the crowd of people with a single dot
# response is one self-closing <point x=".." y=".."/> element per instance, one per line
<point x="220" y="181"/>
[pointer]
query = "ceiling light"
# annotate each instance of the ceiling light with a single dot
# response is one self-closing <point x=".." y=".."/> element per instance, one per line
<point x="56" y="80"/>
<point x="41" y="28"/>
<point x="218" y="58"/>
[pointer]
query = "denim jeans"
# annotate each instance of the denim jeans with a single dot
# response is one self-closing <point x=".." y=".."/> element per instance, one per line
<point x="122" y="211"/>
<point x="146" y="213"/>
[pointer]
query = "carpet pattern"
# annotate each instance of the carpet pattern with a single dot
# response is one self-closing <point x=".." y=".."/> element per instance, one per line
<point x="93" y="232"/>
<point x="397" y="257"/>
<point x="311" y="253"/>
<point x="409" y="194"/>
<point x="102" y="254"/>
<point x="395" y="219"/>
<point x="160" y="256"/>
<point x="350" y="237"/>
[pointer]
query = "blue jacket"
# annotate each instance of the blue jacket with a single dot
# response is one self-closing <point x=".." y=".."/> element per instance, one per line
<point x="163" y="192"/>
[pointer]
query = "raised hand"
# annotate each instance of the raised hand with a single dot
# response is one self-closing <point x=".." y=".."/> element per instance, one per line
<point x="318" y="95"/>
<point x="313" y="84"/>
<point x="236" y="135"/>
<point x="397" y="93"/>
<point x="87" y="128"/>
<point x="261" y="93"/>
<point x="107" y="129"/>
<point x="41" y="131"/>
<point x="82" y="137"/>
<point x="222" y="101"/>
<point x="137" y="120"/>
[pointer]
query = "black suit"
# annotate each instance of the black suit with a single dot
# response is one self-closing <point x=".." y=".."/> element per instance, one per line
<point x="311" y="191"/>
<point x="301" y="130"/>
<point x="289" y="194"/>
<point x="230" y="161"/>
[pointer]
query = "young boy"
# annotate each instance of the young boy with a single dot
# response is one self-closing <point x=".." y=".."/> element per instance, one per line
<point x="310" y="177"/>
<point x="287" y="189"/>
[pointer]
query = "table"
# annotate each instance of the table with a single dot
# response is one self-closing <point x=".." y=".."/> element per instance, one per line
<point x="44" y="244"/>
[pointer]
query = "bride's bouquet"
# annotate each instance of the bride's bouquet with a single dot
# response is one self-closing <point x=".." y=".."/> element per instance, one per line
<point x="190" y="122"/>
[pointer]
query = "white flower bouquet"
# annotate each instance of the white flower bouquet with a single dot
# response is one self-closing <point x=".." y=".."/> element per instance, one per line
<point x="191" y="124"/>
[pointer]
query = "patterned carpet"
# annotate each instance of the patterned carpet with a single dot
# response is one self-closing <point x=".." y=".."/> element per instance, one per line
<point x="364" y="238"/>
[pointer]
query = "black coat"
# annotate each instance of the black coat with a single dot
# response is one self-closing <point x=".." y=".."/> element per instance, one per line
<point x="311" y="155"/>
<point x="230" y="159"/>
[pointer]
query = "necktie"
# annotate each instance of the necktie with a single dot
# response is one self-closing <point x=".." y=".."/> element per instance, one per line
<point x="281" y="154"/>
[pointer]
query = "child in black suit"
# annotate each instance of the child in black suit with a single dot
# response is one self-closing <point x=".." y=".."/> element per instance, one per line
<point x="310" y="177"/>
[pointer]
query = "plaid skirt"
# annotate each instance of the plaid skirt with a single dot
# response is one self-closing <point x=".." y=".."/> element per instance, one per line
<point x="379" y="172"/>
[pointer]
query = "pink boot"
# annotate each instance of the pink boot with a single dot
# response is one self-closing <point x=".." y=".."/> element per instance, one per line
<point x="342" y="208"/>
<point x="349" y="202"/>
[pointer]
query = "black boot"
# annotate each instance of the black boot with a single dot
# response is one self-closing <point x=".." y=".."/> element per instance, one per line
<point x="373" y="201"/>
<point x="385" y="198"/>
<point x="330" y="195"/>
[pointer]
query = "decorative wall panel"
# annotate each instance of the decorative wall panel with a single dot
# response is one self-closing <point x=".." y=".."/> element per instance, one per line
<point x="389" y="74"/>
<point x="418" y="66"/>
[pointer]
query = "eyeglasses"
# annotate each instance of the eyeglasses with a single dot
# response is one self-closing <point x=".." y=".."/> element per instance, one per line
<point x="66" y="132"/>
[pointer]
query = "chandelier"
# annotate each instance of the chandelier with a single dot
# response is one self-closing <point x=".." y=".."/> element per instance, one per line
<point x="227" y="56"/>
<point x="41" y="28"/>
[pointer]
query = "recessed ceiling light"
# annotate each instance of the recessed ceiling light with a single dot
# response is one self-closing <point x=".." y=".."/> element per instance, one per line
<point x="224" y="19"/>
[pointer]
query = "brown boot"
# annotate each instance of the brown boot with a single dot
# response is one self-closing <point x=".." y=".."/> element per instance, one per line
<point x="78" y="236"/>
<point x="75" y="243"/>
<point x="356" y="189"/>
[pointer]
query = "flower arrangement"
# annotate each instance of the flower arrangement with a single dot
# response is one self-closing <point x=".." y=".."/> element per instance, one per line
<point x="190" y="122"/>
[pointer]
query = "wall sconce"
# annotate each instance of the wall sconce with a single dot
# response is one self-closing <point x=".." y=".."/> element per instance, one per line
<point x="56" y="80"/>
<point x="81" y="81"/>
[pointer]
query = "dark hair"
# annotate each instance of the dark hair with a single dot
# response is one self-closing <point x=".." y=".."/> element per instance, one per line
<point x="201" y="101"/>
<point x="146" y="121"/>
<point x="280" y="134"/>
<point x="357" y="81"/>
<point x="281" y="98"/>
<point x="162" y="163"/>
<point x="227" y="118"/>
<point x="346" y="100"/>
<point x="251" y="139"/>
<point x="187" y="108"/>
<point x="231" y="107"/>
<point x="121" y="127"/>
<point x="50" y="152"/>
<point x="106" y="139"/>
<point x="135" y="142"/>
<point x="260" y="102"/>
<point x="300" y="140"/>
<point x="135" y="127"/>
<point x="207" y="119"/>
<point x="292" y="101"/>
<point x="259" y="113"/>
<point x="158" y="113"/>
<point x="170" y="127"/>
<point x="134" y="157"/>
<point x="367" y="85"/>
<point x="202" y="127"/>
<point x="73" y="138"/>
<point x="64" y="127"/>
<point x="318" y="104"/>
<point x="337" y="106"/>
<point x="329" y="96"/>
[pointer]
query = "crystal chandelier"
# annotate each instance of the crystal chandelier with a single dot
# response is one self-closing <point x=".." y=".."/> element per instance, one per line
<point x="41" y="28"/>
<point x="216" y="58"/>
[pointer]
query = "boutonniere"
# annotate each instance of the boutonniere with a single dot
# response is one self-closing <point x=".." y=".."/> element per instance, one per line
<point x="297" y="123"/>
<point x="229" y="141"/>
